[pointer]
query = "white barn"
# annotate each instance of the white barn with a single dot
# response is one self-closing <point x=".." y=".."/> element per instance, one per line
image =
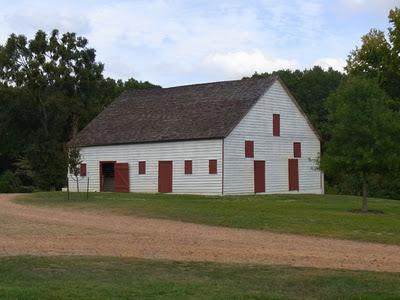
<point x="233" y="137"/>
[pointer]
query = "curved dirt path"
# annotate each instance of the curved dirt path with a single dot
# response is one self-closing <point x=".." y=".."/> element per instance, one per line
<point x="31" y="230"/>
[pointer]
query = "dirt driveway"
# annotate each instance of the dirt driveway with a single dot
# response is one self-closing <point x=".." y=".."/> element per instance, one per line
<point x="31" y="230"/>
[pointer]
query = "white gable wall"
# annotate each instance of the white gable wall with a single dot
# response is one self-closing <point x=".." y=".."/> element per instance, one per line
<point x="200" y="152"/>
<point x="257" y="126"/>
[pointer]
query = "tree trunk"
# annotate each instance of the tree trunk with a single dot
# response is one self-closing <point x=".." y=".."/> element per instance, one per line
<point x="77" y="184"/>
<point x="75" y="122"/>
<point x="44" y="118"/>
<point x="364" y="195"/>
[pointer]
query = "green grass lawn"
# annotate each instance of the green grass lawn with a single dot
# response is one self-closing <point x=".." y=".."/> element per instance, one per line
<point x="117" y="278"/>
<point x="318" y="215"/>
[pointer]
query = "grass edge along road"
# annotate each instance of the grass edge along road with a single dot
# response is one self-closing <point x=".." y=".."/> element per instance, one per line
<point x="314" y="215"/>
<point x="70" y="277"/>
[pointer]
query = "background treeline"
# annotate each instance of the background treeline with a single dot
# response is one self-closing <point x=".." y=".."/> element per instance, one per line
<point x="52" y="86"/>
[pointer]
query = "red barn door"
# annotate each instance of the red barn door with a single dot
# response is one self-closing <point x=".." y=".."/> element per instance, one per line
<point x="165" y="176"/>
<point x="122" y="177"/>
<point x="259" y="176"/>
<point x="293" y="174"/>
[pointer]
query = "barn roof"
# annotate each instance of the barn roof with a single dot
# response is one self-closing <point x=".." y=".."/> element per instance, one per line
<point x="198" y="111"/>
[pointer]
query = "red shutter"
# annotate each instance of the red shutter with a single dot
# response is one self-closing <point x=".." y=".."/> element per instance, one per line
<point x="82" y="170"/>
<point x="276" y="124"/>
<point x="188" y="167"/>
<point x="121" y="177"/>
<point x="142" y="167"/>
<point x="249" y="148"/>
<point x="293" y="174"/>
<point x="297" y="149"/>
<point x="212" y="166"/>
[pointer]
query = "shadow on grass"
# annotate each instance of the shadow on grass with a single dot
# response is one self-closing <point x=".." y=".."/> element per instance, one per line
<point x="369" y="211"/>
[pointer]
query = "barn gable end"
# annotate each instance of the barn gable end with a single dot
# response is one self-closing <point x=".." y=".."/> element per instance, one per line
<point x="257" y="126"/>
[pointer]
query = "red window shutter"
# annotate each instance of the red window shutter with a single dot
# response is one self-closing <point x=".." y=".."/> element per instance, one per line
<point x="142" y="167"/>
<point x="249" y="148"/>
<point x="297" y="149"/>
<point x="276" y="124"/>
<point x="188" y="167"/>
<point x="212" y="166"/>
<point x="293" y="174"/>
<point x="82" y="170"/>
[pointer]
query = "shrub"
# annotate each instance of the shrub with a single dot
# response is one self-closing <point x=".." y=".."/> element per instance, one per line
<point x="9" y="182"/>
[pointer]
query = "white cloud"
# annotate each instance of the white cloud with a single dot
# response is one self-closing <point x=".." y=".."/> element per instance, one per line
<point x="330" y="62"/>
<point x="241" y="63"/>
<point x="373" y="6"/>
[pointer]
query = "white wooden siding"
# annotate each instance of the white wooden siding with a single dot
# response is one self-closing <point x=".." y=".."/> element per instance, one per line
<point x="257" y="126"/>
<point x="238" y="170"/>
<point x="200" y="152"/>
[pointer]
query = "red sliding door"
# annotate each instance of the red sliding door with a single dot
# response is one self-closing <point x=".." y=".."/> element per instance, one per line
<point x="259" y="176"/>
<point x="165" y="176"/>
<point x="121" y="177"/>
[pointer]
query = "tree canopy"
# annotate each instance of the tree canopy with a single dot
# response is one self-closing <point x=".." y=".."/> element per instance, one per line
<point x="379" y="57"/>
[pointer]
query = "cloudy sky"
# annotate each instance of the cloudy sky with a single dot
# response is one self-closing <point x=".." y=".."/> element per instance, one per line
<point x="172" y="42"/>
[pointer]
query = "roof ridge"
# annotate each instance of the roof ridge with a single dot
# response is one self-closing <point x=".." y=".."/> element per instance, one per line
<point x="270" y="78"/>
<point x="221" y="81"/>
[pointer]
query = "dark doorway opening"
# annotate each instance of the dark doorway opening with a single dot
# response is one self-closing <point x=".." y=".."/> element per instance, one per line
<point x="107" y="176"/>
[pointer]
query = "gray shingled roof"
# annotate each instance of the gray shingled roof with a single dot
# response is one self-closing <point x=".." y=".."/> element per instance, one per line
<point x="198" y="111"/>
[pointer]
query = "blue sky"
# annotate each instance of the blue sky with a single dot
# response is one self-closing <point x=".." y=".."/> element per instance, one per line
<point x="172" y="42"/>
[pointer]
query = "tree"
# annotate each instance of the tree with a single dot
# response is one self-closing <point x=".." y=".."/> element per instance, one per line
<point x="74" y="161"/>
<point x="379" y="57"/>
<point x="364" y="134"/>
<point x="55" y="76"/>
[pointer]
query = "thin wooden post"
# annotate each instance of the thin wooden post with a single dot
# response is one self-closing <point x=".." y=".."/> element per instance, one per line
<point x="87" y="189"/>
<point x="68" y="187"/>
<point x="364" y="207"/>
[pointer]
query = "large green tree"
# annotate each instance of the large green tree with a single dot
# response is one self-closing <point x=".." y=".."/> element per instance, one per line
<point x="378" y="58"/>
<point x="364" y="135"/>
<point x="53" y="75"/>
